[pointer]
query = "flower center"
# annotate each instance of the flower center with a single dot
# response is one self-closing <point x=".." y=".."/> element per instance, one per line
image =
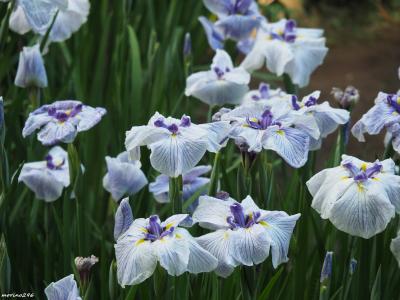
<point x="263" y="91"/>
<point x="54" y="163"/>
<point x="240" y="7"/>
<point x="288" y="34"/>
<point x="363" y="173"/>
<point x="262" y="123"/>
<point x="311" y="101"/>
<point x="220" y="73"/>
<point x="173" y="128"/>
<point x="64" y="114"/>
<point x="155" y="231"/>
<point x="239" y="220"/>
<point x="394" y="101"/>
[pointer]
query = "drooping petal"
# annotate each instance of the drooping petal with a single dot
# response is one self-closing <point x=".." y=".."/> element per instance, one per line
<point x="217" y="134"/>
<point x="212" y="213"/>
<point x="136" y="260"/>
<point x="238" y="27"/>
<point x="290" y="143"/>
<point x="123" y="178"/>
<point x="362" y="211"/>
<point x="53" y="133"/>
<point x="18" y="22"/>
<point x="177" y="154"/>
<point x="34" y="122"/>
<point x="175" y="220"/>
<point x="200" y="260"/>
<point x="41" y="181"/>
<point x="196" y="172"/>
<point x="39" y="13"/>
<point x="144" y="135"/>
<point x="218" y="244"/>
<point x="160" y="188"/>
<point x="219" y="7"/>
<point x="173" y="254"/>
<point x="279" y="227"/>
<point x="250" y="246"/>
<point x="329" y="118"/>
<point x="89" y="117"/>
<point x="123" y="218"/>
<point x="307" y="56"/>
<point x="277" y="55"/>
<point x="65" y="288"/>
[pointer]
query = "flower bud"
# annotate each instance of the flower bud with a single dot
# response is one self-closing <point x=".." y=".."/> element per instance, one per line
<point x="31" y="71"/>
<point x="187" y="46"/>
<point x="326" y="271"/>
<point x="346" y="98"/>
<point x="352" y="266"/>
<point x="83" y="265"/>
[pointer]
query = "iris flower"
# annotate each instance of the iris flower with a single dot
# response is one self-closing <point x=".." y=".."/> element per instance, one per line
<point x="148" y="241"/>
<point x="327" y="117"/>
<point x="244" y="234"/>
<point x="38" y="15"/>
<point x="264" y="94"/>
<point x="287" y="49"/>
<point x="358" y="197"/>
<point x="221" y="85"/>
<point x="124" y="176"/>
<point x="31" y="71"/>
<point x="236" y="19"/>
<point x="273" y="128"/>
<point x="384" y="114"/>
<point x="65" y="288"/>
<point x="192" y="182"/>
<point x="47" y="178"/>
<point x="61" y="121"/>
<point x="176" y="145"/>
<point x="395" y="248"/>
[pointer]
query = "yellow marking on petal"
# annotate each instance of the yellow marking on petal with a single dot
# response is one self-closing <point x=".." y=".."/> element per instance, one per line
<point x="253" y="120"/>
<point x="263" y="223"/>
<point x="376" y="179"/>
<point x="68" y="112"/>
<point x="173" y="135"/>
<point x="138" y="242"/>
<point x="144" y="230"/>
<point x="280" y="132"/>
<point x="360" y="187"/>
<point x="245" y="125"/>
<point x="178" y="236"/>
<point x="253" y="34"/>
<point x="364" y="166"/>
<point x="226" y="235"/>
<point x="395" y="113"/>
<point x="344" y="177"/>
<point x="398" y="100"/>
<point x="169" y="225"/>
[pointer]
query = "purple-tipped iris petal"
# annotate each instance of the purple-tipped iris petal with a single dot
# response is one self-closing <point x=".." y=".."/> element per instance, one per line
<point x="123" y="218"/>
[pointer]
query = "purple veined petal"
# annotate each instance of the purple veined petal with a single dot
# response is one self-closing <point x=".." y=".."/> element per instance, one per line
<point x="123" y="178"/>
<point x="242" y="6"/>
<point x="34" y="122"/>
<point x="212" y="213"/>
<point x="290" y="143"/>
<point x="217" y="134"/>
<point x="123" y="218"/>
<point x="200" y="260"/>
<point x="215" y="37"/>
<point x="245" y="45"/>
<point x="218" y="244"/>
<point x="279" y="227"/>
<point x="278" y="55"/>
<point x="328" y="118"/>
<point x="177" y="154"/>
<point x="31" y="71"/>
<point x="39" y="14"/>
<point x="250" y="246"/>
<point x="89" y="117"/>
<point x="238" y="27"/>
<point x="65" y="288"/>
<point x="54" y="133"/>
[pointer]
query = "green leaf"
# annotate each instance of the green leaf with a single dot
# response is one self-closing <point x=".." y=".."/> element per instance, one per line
<point x="376" y="288"/>
<point x="267" y="291"/>
<point x="5" y="267"/>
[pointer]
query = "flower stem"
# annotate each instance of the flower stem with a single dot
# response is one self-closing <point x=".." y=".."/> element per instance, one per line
<point x="212" y="190"/>
<point x="289" y="86"/>
<point x="175" y="194"/>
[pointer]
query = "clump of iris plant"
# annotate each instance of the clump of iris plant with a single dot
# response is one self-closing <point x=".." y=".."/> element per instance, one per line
<point x="47" y="178"/>
<point x="244" y="234"/>
<point x="61" y="121"/>
<point x="285" y="48"/>
<point x="359" y="198"/>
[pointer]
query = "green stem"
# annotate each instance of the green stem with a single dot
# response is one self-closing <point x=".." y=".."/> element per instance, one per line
<point x="175" y="194"/>
<point x="289" y="86"/>
<point x="212" y="190"/>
